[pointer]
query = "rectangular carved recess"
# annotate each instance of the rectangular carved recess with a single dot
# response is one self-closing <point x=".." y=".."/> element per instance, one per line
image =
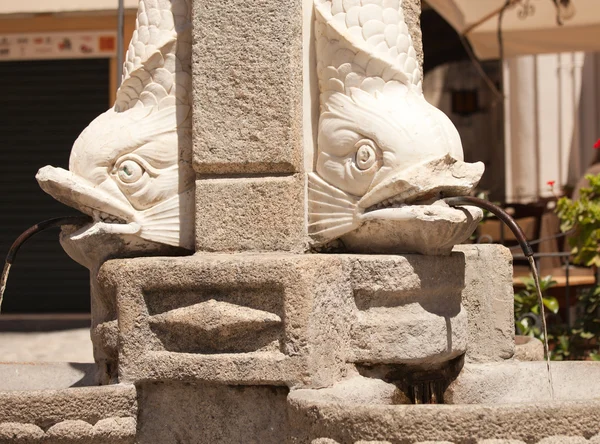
<point x="436" y="285"/>
<point x="441" y="300"/>
<point x="213" y="319"/>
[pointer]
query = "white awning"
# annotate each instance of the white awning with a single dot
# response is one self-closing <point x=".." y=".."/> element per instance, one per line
<point x="528" y="26"/>
<point x="58" y="6"/>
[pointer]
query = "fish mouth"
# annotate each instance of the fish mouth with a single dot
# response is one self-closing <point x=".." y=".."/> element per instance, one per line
<point x="104" y="208"/>
<point x="422" y="185"/>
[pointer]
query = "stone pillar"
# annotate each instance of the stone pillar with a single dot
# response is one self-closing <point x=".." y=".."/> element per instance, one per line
<point x="412" y="16"/>
<point x="248" y="148"/>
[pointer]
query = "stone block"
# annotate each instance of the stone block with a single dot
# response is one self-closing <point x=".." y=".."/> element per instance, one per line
<point x="285" y="319"/>
<point x="408" y="308"/>
<point x="259" y="214"/>
<point x="247" y="86"/>
<point x="489" y="301"/>
<point x="205" y="413"/>
<point x="251" y="319"/>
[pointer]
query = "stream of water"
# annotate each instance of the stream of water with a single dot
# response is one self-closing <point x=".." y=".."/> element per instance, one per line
<point x="536" y="278"/>
<point x="3" y="280"/>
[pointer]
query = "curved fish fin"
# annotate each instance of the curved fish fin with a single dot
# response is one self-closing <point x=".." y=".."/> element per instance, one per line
<point x="332" y="212"/>
<point x="166" y="222"/>
<point x="157" y="69"/>
<point x="372" y="35"/>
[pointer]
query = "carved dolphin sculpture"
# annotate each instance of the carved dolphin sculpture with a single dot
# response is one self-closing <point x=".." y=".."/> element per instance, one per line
<point x="382" y="149"/>
<point x="130" y="169"/>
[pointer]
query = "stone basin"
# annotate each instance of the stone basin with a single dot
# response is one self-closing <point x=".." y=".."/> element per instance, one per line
<point x="58" y="403"/>
<point x="502" y="401"/>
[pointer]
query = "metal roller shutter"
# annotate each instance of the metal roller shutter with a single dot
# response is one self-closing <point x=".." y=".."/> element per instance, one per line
<point x="44" y="106"/>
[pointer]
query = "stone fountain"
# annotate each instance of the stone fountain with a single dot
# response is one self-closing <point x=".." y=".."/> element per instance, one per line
<point x="270" y="257"/>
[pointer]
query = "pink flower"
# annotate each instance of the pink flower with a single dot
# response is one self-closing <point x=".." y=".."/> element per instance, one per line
<point x="597" y="144"/>
<point x="551" y="183"/>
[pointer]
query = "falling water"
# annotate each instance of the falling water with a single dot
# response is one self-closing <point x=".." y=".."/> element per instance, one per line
<point x="3" y="280"/>
<point x="536" y="278"/>
<point x="527" y="251"/>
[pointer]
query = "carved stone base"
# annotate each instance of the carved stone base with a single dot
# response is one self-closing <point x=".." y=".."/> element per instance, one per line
<point x="300" y="320"/>
<point x="310" y="349"/>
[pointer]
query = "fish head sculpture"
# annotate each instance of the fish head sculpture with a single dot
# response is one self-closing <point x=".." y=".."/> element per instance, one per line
<point x="383" y="152"/>
<point x="130" y="169"/>
<point x="125" y="172"/>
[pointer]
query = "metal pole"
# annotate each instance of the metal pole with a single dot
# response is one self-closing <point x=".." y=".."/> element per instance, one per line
<point x="120" y="37"/>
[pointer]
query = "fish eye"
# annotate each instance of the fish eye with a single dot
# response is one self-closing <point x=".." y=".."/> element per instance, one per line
<point x="130" y="171"/>
<point x="366" y="155"/>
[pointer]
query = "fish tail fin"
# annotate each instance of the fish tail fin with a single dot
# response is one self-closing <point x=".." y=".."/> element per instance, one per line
<point x="332" y="212"/>
<point x="167" y="224"/>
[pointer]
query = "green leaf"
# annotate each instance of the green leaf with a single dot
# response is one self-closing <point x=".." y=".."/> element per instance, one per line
<point x="551" y="303"/>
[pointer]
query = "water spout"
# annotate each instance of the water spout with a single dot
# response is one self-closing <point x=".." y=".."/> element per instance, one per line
<point x="26" y="235"/>
<point x="527" y="251"/>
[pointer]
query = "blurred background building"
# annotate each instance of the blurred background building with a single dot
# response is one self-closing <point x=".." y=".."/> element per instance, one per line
<point x="58" y="68"/>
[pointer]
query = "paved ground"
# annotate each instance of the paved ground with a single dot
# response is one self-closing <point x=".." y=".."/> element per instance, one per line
<point x="57" y="346"/>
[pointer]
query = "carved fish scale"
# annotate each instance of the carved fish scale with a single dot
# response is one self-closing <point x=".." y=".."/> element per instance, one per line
<point x="364" y="43"/>
<point x="157" y="70"/>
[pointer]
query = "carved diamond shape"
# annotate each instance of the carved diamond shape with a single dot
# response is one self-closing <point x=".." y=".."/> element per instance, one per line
<point x="215" y="326"/>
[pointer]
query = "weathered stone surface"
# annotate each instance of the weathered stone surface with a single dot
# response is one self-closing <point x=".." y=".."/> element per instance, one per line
<point x="360" y="390"/>
<point x="335" y="310"/>
<point x="412" y="17"/>
<point x="212" y="414"/>
<point x="260" y="214"/>
<point x="314" y="415"/>
<point x="115" y="430"/>
<point x="435" y="442"/>
<point x="247" y="64"/>
<point x="528" y="348"/>
<point x="70" y="431"/>
<point x="500" y="441"/>
<point x="409" y="308"/>
<point x="564" y="440"/>
<point x="17" y="433"/>
<point x="489" y="302"/>
<point x="309" y="293"/>
<point x="105" y="431"/>
<point x="48" y="407"/>
<point x="372" y="442"/>
<point x="516" y="382"/>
